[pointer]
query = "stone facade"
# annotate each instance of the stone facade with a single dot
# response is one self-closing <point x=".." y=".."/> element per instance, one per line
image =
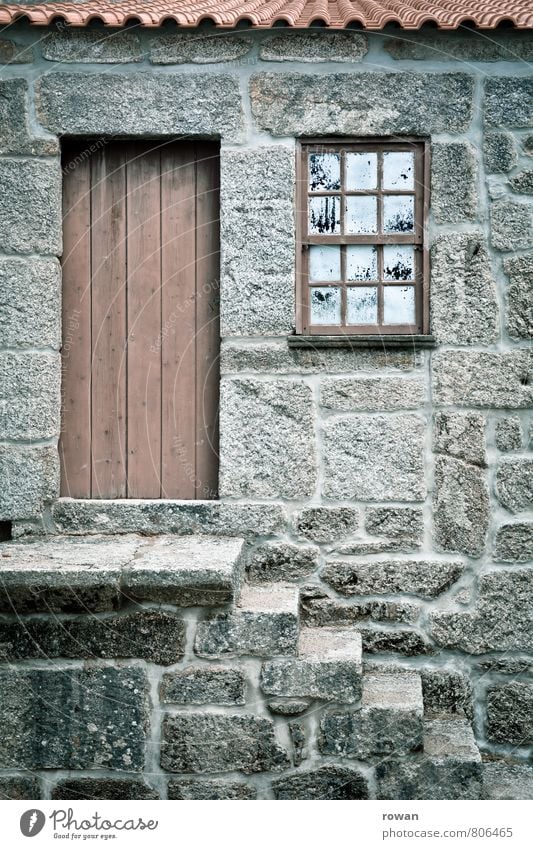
<point x="378" y="499"/>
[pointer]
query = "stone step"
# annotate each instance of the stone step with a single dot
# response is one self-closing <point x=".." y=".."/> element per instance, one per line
<point x="95" y="573"/>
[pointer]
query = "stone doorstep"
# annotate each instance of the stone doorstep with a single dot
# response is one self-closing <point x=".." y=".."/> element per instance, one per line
<point x="99" y="573"/>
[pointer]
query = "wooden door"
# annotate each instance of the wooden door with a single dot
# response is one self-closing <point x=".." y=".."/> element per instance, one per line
<point x="141" y="340"/>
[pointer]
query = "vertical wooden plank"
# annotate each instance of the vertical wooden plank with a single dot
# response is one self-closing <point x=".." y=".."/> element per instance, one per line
<point x="143" y="253"/>
<point x="108" y="248"/>
<point x="177" y="339"/>
<point x="207" y="319"/>
<point x="75" y="440"/>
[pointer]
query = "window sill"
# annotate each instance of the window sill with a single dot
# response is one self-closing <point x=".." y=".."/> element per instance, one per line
<point x="384" y="343"/>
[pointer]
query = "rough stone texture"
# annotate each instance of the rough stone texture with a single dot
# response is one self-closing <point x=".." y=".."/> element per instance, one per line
<point x="325" y="524"/>
<point x="505" y="665"/>
<point x="359" y="547"/>
<point x="298" y="739"/>
<point x="461" y="508"/>
<point x="30" y="291"/>
<point x="264" y="623"/>
<point x="509" y="102"/>
<point x="19" y="787"/>
<point x="92" y="718"/>
<point x="203" y="686"/>
<point x="30" y="478"/>
<point x="94" y="46"/>
<point x="12" y="53"/>
<point x="30" y="206"/>
<point x="289" y="707"/>
<point x="318" y="609"/>
<point x="520" y="296"/>
<point x="29" y="396"/>
<point x="282" y="561"/>
<point x="514" y="484"/>
<point x="183" y="47"/>
<point x="401" y="641"/>
<point x="203" y="789"/>
<point x="235" y="742"/>
<point x="483" y="379"/>
<point x="374" y="458"/>
<point x="386" y="393"/>
<point x="508" y="433"/>
<point x="293" y="104"/>
<point x="468" y="45"/>
<point x="523" y="182"/>
<point x="514" y="543"/>
<point x="426" y="578"/>
<point x="511" y="225"/>
<point x="448" y="692"/>
<point x="464" y="305"/>
<point x="398" y="523"/>
<point x="326" y="782"/>
<point x="328" y="667"/>
<point x="499" y="152"/>
<point x="140" y="104"/>
<point x="507" y="780"/>
<point x="454" y="177"/>
<point x="314" y="47"/>
<point x="510" y="713"/>
<point x="155" y="636"/>
<point x="15" y="136"/>
<point x="266" y="432"/>
<point x="103" y="788"/>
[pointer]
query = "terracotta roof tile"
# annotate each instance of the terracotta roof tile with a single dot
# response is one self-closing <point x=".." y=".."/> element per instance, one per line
<point x="337" y="14"/>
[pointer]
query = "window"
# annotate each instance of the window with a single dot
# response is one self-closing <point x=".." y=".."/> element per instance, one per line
<point x="362" y="264"/>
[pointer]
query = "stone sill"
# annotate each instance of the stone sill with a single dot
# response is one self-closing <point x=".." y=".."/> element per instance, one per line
<point x="387" y="343"/>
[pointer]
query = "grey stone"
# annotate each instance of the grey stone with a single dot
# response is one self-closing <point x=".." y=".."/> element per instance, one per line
<point x="461" y="508"/>
<point x="263" y="174"/>
<point x="71" y="718"/>
<point x="326" y="782"/>
<point x="317" y="609"/>
<point x="446" y="691"/>
<point x="374" y="458"/>
<point x="499" y="152"/>
<point x="520" y="296"/>
<point x="103" y="788"/>
<point x="454" y="179"/>
<point x="509" y="102"/>
<point x="510" y="713"/>
<point x="507" y="780"/>
<point x="140" y="104"/>
<point x="155" y="636"/>
<point x="464" y="304"/>
<point x="465" y="44"/>
<point x="426" y="578"/>
<point x="507" y="666"/>
<point x="266" y="432"/>
<point x="382" y="104"/>
<point x="30" y="311"/>
<point x="397" y="523"/>
<point x="528" y="145"/>
<point x="264" y="623"/>
<point x="523" y="182"/>
<point x="403" y="641"/>
<point x="15" y="137"/>
<point x="328" y="667"/>
<point x="19" y="787"/>
<point x="325" y="524"/>
<point x="359" y="547"/>
<point x="202" y="686"/>
<point x="30" y="478"/>
<point x="372" y="394"/>
<point x="508" y="433"/>
<point x="298" y="739"/>
<point x="482" y="379"/>
<point x="30" y="206"/>
<point x="30" y="399"/>
<point x="511" y="224"/>
<point x="12" y="53"/>
<point x="203" y="789"/>
<point x="309" y="46"/>
<point x="282" y="561"/>
<point x="514" y="484"/>
<point x="240" y="742"/>
<point x="179" y="48"/>
<point x="514" y="543"/>
<point x="94" y="46"/>
<point x="289" y="707"/>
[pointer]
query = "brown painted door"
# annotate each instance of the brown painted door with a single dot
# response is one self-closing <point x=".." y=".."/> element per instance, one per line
<point x="140" y="320"/>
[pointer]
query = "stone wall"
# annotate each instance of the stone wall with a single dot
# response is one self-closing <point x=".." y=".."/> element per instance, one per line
<point x="390" y="489"/>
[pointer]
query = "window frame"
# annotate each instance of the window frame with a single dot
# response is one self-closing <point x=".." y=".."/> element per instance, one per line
<point x="305" y="146"/>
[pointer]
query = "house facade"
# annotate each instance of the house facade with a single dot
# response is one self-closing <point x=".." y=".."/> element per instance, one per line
<point x="265" y="432"/>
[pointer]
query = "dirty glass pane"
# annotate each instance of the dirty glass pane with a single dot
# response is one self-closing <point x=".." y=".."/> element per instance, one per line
<point x="361" y="214"/>
<point x="362" y="305"/>
<point x="325" y="262"/>
<point x="398" y="213"/>
<point x="398" y="305"/>
<point x="398" y="262"/>
<point x="324" y="215"/>
<point x="325" y="305"/>
<point x="399" y="170"/>
<point x="324" y="172"/>
<point x="361" y="262"/>
<point x="361" y="171"/>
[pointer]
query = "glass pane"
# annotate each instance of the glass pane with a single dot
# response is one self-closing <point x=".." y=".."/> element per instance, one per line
<point x="361" y="171"/>
<point x="398" y="213"/>
<point x="325" y="262"/>
<point x="361" y="262"/>
<point x="398" y="305"/>
<point x="398" y="262"/>
<point x="324" y="172"/>
<point x="399" y="170"/>
<point x="326" y="305"/>
<point x="362" y="305"/>
<point x="361" y="214"/>
<point x="324" y="215"/>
